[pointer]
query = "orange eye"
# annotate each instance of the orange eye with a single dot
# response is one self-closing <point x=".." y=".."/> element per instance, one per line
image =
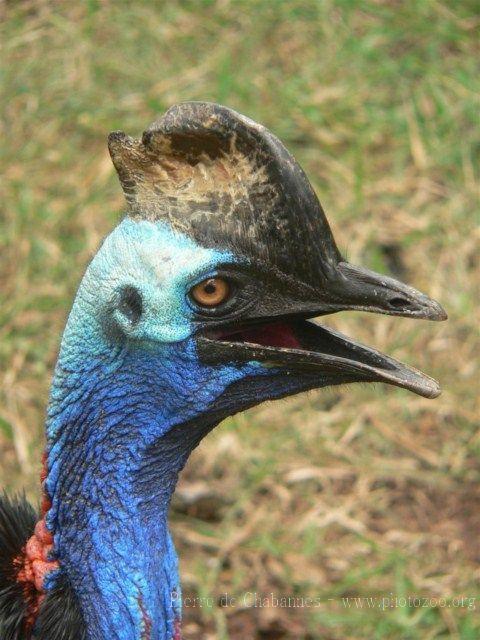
<point x="211" y="292"/>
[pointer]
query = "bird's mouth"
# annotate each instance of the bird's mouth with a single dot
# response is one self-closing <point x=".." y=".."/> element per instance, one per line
<point x="301" y="346"/>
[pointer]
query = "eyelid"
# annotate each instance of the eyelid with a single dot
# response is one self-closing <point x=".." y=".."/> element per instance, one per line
<point x="201" y="277"/>
<point x="228" y="271"/>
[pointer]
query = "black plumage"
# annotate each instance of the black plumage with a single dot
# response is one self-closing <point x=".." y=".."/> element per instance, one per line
<point x="17" y="522"/>
<point x="59" y="617"/>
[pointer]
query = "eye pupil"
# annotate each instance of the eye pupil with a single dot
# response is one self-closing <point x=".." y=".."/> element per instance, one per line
<point x="210" y="287"/>
<point x="211" y="292"/>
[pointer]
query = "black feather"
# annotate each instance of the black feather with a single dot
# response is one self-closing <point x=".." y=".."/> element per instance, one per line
<point x="59" y="617"/>
<point x="17" y="522"/>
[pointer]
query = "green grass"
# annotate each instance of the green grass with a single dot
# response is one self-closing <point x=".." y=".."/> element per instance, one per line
<point x="359" y="491"/>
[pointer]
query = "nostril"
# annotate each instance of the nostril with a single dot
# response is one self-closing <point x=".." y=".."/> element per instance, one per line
<point x="398" y="302"/>
<point x="131" y="304"/>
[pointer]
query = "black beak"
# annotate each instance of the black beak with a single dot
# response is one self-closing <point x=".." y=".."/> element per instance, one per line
<point x="364" y="290"/>
<point x="295" y="345"/>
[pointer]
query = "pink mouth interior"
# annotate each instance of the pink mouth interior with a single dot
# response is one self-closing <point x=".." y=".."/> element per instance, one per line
<point x="278" y="334"/>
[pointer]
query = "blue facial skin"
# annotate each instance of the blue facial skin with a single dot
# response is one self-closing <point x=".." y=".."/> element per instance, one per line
<point x="122" y="420"/>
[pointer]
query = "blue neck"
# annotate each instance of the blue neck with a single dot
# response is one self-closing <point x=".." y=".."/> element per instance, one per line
<point x="118" y="437"/>
<point x="128" y="404"/>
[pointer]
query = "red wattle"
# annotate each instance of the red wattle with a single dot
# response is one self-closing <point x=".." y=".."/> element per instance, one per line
<point x="33" y="563"/>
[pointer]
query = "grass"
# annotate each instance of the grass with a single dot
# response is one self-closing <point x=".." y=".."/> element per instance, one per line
<point x="354" y="492"/>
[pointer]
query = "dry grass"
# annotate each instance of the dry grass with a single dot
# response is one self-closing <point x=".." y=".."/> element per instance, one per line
<point x="366" y="491"/>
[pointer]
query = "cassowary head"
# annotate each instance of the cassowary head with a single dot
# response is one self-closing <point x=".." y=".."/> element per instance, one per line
<point x="223" y="257"/>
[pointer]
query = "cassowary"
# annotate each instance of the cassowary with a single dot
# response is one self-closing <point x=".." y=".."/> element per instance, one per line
<point x="195" y="307"/>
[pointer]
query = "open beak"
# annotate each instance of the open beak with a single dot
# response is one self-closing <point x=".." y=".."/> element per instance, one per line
<point x="293" y="343"/>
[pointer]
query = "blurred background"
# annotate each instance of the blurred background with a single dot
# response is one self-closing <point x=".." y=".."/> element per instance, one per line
<point x="361" y="491"/>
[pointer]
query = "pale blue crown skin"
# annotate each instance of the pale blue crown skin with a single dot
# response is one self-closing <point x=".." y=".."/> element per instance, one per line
<point x="118" y="389"/>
